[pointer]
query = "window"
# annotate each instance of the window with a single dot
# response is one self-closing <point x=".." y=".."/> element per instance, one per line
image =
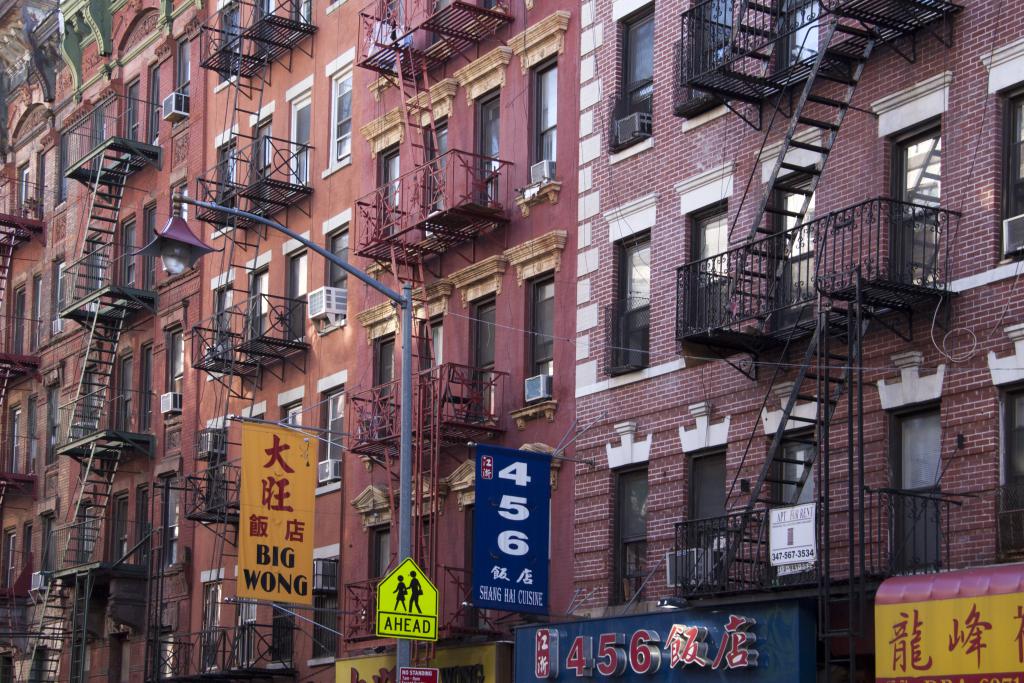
<point x="334" y="408"/>
<point x="336" y="275"/>
<point x="325" y="625"/>
<point x="145" y="388"/>
<point x="436" y="351"/>
<point x="171" y="516"/>
<point x="211" y="622"/>
<point x="291" y="414"/>
<point x="913" y="246"/>
<point x="17" y="441"/>
<point x="709" y="272"/>
<point x="181" y="189"/>
<point x="282" y="635"/>
<point x="10" y="563"/>
<point x="297" y="288"/>
<point x="175" y="361"/>
<point x="802" y="28"/>
<point x="124" y="396"/>
<point x="482" y="339"/>
<point x="132" y="106"/>
<point x="542" y="327"/>
<point x="148" y="262"/>
<point x="488" y="143"/>
<point x="631" y="533"/>
<point x="183" y="67"/>
<point x="142" y="525"/>
<point x="797" y="287"/>
<point x="57" y="289"/>
<point x="128" y="248"/>
<point x="62" y="167"/>
<point x="245" y="626"/>
<point x="32" y="443"/>
<point x="546" y="89"/>
<point x="25" y="193"/>
<point x="633" y="110"/>
<point x="384" y="360"/>
<point x="707" y="486"/>
<point x="796" y="466"/>
<point x="118" y="547"/>
<point x="41" y="182"/>
<point x="227" y="173"/>
<point x="26" y="542"/>
<point x="154" y="104"/>
<point x="437" y="148"/>
<point x="630" y="315"/>
<point x="919" y="168"/>
<point x="341" y="119"/>
<point x="1014" y="172"/>
<point x="52" y="422"/>
<point x="49" y="553"/>
<point x="258" y="314"/>
<point x="388" y="170"/>
<point x="300" y="142"/>
<point x="37" y="313"/>
<point x="917" y="465"/>
<point x="263" y="151"/>
<point x="18" y="324"/>
<point x="380" y="556"/>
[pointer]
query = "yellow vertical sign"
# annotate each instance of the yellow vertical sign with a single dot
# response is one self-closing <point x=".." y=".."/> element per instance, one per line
<point x="275" y="545"/>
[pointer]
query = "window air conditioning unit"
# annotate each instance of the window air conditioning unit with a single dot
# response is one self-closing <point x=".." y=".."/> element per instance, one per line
<point x="57" y="327"/>
<point x="633" y="127"/>
<point x="328" y="303"/>
<point x="537" y="388"/>
<point x="693" y="566"/>
<point x="328" y="470"/>
<point x="175" y="107"/>
<point x="325" y="574"/>
<point x="213" y="443"/>
<point x="40" y="581"/>
<point x="170" y="403"/>
<point x="1013" y="235"/>
<point x="542" y="172"/>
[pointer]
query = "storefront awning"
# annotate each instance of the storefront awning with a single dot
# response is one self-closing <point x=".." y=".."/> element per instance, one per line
<point x="966" y="626"/>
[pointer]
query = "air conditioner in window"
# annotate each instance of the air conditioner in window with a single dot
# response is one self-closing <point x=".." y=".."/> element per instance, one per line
<point x="537" y="388"/>
<point x="1013" y="235"/>
<point x="328" y="303"/>
<point x="40" y="581"/>
<point x="694" y="566"/>
<point x="175" y="107"/>
<point x="170" y="403"/>
<point x="542" y="172"/>
<point x="213" y="443"/>
<point x="57" y="326"/>
<point x="328" y="470"/>
<point x="633" y="127"/>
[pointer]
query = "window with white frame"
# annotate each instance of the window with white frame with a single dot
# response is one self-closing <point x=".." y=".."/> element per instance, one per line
<point x="341" y="119"/>
<point x="301" y="123"/>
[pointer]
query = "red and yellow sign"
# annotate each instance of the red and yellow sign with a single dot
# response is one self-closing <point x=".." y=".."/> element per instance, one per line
<point x="977" y="639"/>
<point x="275" y="545"/>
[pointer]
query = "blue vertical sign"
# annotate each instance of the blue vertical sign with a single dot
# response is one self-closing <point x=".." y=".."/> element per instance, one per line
<point x="511" y="525"/>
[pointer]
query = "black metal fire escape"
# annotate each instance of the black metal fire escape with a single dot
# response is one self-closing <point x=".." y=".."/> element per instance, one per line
<point x="803" y="62"/>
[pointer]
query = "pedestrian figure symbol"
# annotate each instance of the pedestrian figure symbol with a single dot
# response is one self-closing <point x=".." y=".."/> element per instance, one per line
<point x="400" y="590"/>
<point x="416" y="590"/>
<point x="407" y="604"/>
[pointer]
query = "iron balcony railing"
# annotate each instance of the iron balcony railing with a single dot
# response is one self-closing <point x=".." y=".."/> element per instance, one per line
<point x="467" y="400"/>
<point x="449" y="200"/>
<point x="632" y="115"/>
<point x="117" y="116"/>
<point x="108" y="265"/>
<point x="21" y="336"/>
<point x="19" y="457"/>
<point x="279" y="25"/>
<point x="898" y="251"/>
<point x="212" y="494"/>
<point x="1010" y="520"/>
<point x="221" y="651"/>
<point x="904" y="532"/>
<point x="15" y="600"/>
<point x="257" y="332"/>
<point x="94" y="540"/>
<point x="127" y="411"/>
<point x="686" y="100"/>
<point x="628" y="331"/>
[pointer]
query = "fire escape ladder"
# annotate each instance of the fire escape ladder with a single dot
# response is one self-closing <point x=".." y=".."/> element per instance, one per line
<point x="80" y="626"/>
<point x="7" y="242"/>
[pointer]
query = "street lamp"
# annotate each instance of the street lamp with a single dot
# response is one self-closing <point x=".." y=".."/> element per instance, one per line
<point x="179" y="248"/>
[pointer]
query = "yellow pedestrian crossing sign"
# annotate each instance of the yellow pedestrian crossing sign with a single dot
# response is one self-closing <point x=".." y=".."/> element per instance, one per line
<point x="407" y="604"/>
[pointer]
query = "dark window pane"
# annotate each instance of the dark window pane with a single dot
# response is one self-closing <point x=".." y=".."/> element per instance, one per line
<point x="707" y="486"/>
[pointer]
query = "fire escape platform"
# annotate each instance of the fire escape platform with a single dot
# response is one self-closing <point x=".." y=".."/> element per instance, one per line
<point x="17" y="484"/>
<point x="108" y="301"/>
<point x="103" y="571"/>
<point x="133" y="156"/>
<point x="226" y="54"/>
<point x="273" y="194"/>
<point x="111" y="442"/>
<point x="21" y="229"/>
<point x="15" y="366"/>
<point x="276" y="35"/>
<point x="217" y="352"/>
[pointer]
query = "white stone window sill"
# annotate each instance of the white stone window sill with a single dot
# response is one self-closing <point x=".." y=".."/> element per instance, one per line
<point x="328" y="488"/>
<point x="333" y="6"/>
<point x="331" y="170"/>
<point x="327" y="329"/>
<point x="705" y="118"/>
<point x="320" y="661"/>
<point x="638" y="148"/>
<point x="223" y="86"/>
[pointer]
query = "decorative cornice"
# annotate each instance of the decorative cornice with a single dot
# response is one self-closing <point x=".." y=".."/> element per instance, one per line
<point x="372" y="505"/>
<point x="439" y="98"/>
<point x="936" y="83"/>
<point x="535" y="195"/>
<point x="480" y="279"/>
<point x="434" y="300"/>
<point x="539" y="255"/>
<point x="379" y="86"/>
<point x="384" y="132"/>
<point x="542" y="40"/>
<point x="484" y="74"/>
<point x="462" y="481"/>
<point x="378" y="321"/>
<point x="534" y="411"/>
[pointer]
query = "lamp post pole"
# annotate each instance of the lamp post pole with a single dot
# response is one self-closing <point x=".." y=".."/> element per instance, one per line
<point x="404" y="301"/>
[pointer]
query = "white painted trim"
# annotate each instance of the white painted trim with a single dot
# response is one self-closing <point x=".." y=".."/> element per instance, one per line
<point x="705" y="118"/>
<point x="294" y="245"/>
<point x="632" y="217"/>
<point x="217" y="422"/>
<point x="704" y="434"/>
<point x="339" y="63"/>
<point x="328" y="488"/>
<point x="705" y="189"/>
<point x="327" y="552"/>
<point x="631" y="151"/>
<point x="911" y="388"/>
<point x="223" y="85"/>
<point x="1009" y="369"/>
<point x="1005" y="66"/>
<point x="630" y="378"/>
<point x="985" y="277"/>
<point x="225" y="136"/>
<point x="321" y="661"/>
<point x="299" y="89"/>
<point x="629" y="451"/>
<point x="260" y="261"/>
<point x="331" y="170"/>
<point x="221" y="280"/>
<point x="331" y="8"/>
<point x="918" y="103"/>
<point x="338" y="220"/>
<point x="797" y="157"/>
<point x="623" y="8"/>
<point x="337" y="379"/>
<point x="291" y="395"/>
<point x="208" y="575"/>
<point x="255" y="410"/>
<point x="265" y="112"/>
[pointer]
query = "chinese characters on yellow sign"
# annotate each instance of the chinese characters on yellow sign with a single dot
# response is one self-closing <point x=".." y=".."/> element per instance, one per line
<point x="275" y="545"/>
<point x="964" y="640"/>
